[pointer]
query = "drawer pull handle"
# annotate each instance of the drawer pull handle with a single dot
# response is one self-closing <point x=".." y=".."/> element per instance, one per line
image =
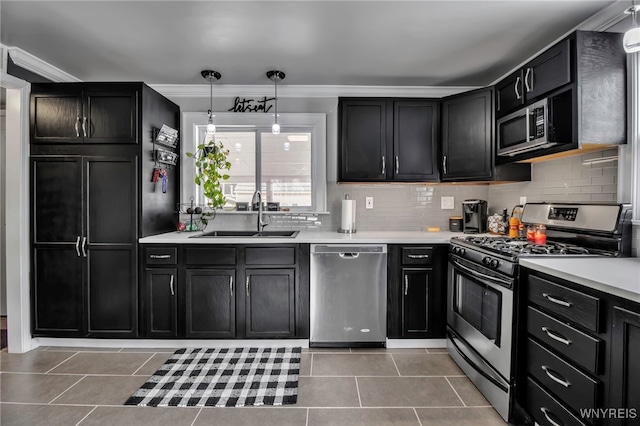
<point x="159" y="256"/>
<point x="553" y="377"/>
<point x="418" y="256"/>
<point x="557" y="301"/>
<point x="231" y="286"/>
<point x="246" y="286"/>
<point x="556" y="337"/>
<point x="545" y="411"/>
<point x="171" y="286"/>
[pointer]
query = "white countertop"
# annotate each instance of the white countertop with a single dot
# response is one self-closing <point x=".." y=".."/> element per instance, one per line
<point x="617" y="276"/>
<point x="364" y="237"/>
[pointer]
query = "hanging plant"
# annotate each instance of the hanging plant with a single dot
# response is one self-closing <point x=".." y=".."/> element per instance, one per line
<point x="211" y="163"/>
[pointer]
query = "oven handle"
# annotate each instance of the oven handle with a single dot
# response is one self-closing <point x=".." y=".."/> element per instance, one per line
<point x="473" y="364"/>
<point x="480" y="275"/>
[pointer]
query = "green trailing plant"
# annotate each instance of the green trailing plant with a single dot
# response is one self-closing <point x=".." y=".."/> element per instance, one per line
<point x="211" y="165"/>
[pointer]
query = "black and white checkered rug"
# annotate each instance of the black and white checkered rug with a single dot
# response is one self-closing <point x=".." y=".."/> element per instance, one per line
<point x="223" y="377"/>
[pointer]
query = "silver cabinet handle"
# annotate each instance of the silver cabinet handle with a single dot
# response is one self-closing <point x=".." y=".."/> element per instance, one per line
<point x="384" y="166"/>
<point x="444" y="164"/>
<point x="406" y="284"/>
<point x="556" y="301"/>
<point x="526" y="80"/>
<point x="84" y="126"/>
<point x="397" y="165"/>
<point x="76" y="126"/>
<point x="171" y="285"/>
<point x="246" y="286"/>
<point x="544" y="411"/>
<point x="515" y="88"/>
<point x="349" y="255"/>
<point x="231" y="286"/>
<point x="84" y="246"/>
<point x="553" y="377"/>
<point x="418" y="256"/>
<point x="78" y="245"/>
<point x="159" y="256"/>
<point x="555" y="337"/>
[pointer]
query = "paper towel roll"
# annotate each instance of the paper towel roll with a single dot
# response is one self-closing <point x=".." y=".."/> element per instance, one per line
<point x="348" y="215"/>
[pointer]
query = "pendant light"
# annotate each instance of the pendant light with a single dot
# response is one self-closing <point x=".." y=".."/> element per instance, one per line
<point x="211" y="76"/>
<point x="631" y="40"/>
<point x="275" y="76"/>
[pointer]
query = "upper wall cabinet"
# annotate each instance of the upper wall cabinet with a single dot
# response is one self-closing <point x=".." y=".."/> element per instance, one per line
<point x="547" y="72"/>
<point x="388" y="140"/>
<point x="85" y="113"/>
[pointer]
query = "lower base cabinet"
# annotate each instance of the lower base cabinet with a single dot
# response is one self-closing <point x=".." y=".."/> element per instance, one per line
<point x="625" y="364"/>
<point x="225" y="292"/>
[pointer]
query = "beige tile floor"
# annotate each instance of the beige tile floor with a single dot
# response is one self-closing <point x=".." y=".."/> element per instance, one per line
<point x="83" y="386"/>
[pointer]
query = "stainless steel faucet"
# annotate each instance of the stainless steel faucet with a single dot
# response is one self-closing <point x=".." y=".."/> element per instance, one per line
<point x="257" y="198"/>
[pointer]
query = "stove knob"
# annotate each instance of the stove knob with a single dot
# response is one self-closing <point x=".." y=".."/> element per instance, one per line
<point x="495" y="263"/>
<point x="486" y="260"/>
<point x="461" y="252"/>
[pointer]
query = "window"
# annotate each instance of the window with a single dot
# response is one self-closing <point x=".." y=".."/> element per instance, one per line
<point x="289" y="168"/>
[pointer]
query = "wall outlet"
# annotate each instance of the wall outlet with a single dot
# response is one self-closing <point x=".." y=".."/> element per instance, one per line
<point x="447" y="203"/>
<point x="523" y="200"/>
<point x="368" y="204"/>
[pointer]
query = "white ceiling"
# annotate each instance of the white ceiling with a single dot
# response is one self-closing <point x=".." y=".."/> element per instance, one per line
<point x="379" y="43"/>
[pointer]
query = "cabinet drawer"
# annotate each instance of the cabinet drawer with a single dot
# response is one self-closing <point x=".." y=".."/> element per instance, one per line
<point x="270" y="256"/>
<point x="161" y="255"/>
<point x="566" y="340"/>
<point x="570" y="385"/>
<point x="572" y="305"/>
<point x="210" y="256"/>
<point x="417" y="256"/>
<point x="545" y="409"/>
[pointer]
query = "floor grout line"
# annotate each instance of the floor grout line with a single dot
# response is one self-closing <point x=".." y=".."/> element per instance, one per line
<point x="417" y="416"/>
<point x="307" y="419"/>
<point x="143" y="364"/>
<point x="66" y="390"/>
<point x="456" y="392"/>
<point x="395" y="365"/>
<point x="58" y="365"/>
<point x="88" y="414"/>
<point x="358" y="391"/>
<point x="196" y="417"/>
<point x="311" y="366"/>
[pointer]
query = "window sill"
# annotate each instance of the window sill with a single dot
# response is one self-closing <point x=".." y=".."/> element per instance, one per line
<point x="292" y="212"/>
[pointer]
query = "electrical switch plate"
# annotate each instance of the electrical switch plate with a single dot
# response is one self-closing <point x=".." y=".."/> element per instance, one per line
<point x="447" y="203"/>
<point x="368" y="203"/>
<point x="523" y="200"/>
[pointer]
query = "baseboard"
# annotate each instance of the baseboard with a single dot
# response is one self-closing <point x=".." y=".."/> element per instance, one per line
<point x="416" y="343"/>
<point x="163" y="344"/>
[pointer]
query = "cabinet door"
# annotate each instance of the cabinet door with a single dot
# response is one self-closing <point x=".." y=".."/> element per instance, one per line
<point x="467" y="136"/>
<point x="160" y="302"/>
<point x="415" y="302"/>
<point x="270" y="303"/>
<point x="110" y="115"/>
<point x="57" y="291"/>
<point x="210" y="303"/>
<point x="625" y="368"/>
<point x="510" y="93"/>
<point x="363" y="140"/>
<point x="110" y="191"/>
<point x="548" y="71"/>
<point x="415" y="148"/>
<point x="56" y="113"/>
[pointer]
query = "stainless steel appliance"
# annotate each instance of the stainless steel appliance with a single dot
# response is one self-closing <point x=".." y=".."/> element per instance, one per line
<point x="348" y="295"/>
<point x="540" y="125"/>
<point x="474" y="216"/>
<point x="482" y="282"/>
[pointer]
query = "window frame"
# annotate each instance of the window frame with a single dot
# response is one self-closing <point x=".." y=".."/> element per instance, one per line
<point x="314" y="123"/>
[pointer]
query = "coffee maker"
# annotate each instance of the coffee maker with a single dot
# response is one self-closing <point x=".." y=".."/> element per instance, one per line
<point x="474" y="216"/>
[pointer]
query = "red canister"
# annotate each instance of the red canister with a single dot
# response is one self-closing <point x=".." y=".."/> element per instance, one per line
<point x="541" y="235"/>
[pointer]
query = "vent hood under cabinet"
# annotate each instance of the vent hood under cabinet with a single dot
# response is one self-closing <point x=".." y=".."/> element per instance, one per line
<point x="589" y="68"/>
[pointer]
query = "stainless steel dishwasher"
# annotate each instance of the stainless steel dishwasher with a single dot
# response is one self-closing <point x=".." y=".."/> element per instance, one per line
<point x="348" y="295"/>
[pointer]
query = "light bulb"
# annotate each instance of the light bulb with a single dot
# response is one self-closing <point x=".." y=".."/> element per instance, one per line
<point x="286" y="146"/>
<point x="211" y="129"/>
<point x="631" y="40"/>
<point x="275" y="129"/>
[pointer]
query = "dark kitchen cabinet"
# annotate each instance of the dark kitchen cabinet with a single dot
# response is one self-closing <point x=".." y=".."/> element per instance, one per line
<point x="388" y="140"/>
<point x="270" y="303"/>
<point x="416" y="291"/>
<point x="85" y="113"/>
<point x="89" y="200"/>
<point x="160" y="296"/>
<point x="543" y="74"/>
<point x="625" y="368"/>
<point x="210" y="303"/>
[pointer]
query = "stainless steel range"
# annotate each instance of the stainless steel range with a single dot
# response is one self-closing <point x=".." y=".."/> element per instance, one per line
<point x="482" y="279"/>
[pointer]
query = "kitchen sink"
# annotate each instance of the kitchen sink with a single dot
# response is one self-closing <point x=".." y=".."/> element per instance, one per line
<point x="248" y="234"/>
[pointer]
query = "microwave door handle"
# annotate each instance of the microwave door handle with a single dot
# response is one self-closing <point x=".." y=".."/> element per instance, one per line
<point x="479" y="275"/>
<point x="528" y="125"/>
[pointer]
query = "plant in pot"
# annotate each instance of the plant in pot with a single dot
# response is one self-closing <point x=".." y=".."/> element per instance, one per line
<point x="211" y="166"/>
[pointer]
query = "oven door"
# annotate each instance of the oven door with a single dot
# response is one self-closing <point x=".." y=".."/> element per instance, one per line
<point x="480" y="311"/>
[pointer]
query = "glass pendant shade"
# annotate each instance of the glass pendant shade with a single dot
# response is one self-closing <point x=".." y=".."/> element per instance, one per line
<point x="211" y="128"/>
<point x="275" y="129"/>
<point x="631" y="40"/>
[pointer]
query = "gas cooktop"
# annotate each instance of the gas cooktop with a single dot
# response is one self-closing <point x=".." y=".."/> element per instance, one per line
<point x="519" y="246"/>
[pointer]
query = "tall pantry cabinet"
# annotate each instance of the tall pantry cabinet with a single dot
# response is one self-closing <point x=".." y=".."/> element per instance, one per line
<point x="92" y="159"/>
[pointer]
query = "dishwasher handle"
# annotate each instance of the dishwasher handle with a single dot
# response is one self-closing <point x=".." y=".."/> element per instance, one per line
<point x="349" y="255"/>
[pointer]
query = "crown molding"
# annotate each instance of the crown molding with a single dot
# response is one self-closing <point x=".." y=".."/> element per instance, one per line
<point x="34" y="64"/>
<point x="307" y="91"/>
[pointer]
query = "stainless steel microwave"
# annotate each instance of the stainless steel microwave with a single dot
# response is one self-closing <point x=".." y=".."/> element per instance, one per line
<point x="527" y="129"/>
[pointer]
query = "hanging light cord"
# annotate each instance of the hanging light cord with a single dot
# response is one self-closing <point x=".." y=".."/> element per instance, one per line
<point x="210" y="98"/>
<point x="275" y="80"/>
